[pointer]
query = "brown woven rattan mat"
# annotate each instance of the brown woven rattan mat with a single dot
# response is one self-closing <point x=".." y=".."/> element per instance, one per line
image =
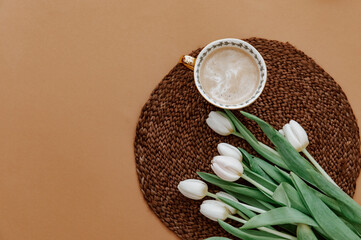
<point x="173" y="141"/>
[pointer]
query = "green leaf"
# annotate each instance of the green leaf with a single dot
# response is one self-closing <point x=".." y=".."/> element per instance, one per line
<point x="354" y="227"/>
<point x="238" y="206"/>
<point x="344" y="203"/>
<point x="252" y="201"/>
<point x="261" y="233"/>
<point x="292" y="229"/>
<point x="282" y="215"/>
<point x="294" y="198"/>
<point x="246" y="235"/>
<point x="249" y="192"/>
<point x="217" y="238"/>
<point x="235" y="187"/>
<point x="269" y="206"/>
<point x="331" y="203"/>
<point x="261" y="180"/>
<point x="272" y="171"/>
<point x="299" y="165"/>
<point x="253" y="165"/>
<point x="281" y="196"/>
<point x="251" y="139"/>
<point x="304" y="232"/>
<point x="285" y="174"/>
<point x="334" y="227"/>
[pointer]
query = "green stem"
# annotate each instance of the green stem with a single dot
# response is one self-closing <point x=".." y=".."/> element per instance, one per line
<point x="250" y="180"/>
<point x="238" y="135"/>
<point x="242" y="215"/>
<point x="211" y="195"/>
<point x="237" y="219"/>
<point x="254" y="209"/>
<point x="274" y="232"/>
<point x="318" y="167"/>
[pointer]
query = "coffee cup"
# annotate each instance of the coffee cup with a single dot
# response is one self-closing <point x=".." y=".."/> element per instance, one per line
<point x="229" y="73"/>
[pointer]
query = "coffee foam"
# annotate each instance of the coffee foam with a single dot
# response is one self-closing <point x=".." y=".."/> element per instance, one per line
<point x="229" y="75"/>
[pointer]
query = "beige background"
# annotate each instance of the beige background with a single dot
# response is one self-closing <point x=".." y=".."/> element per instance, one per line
<point x="75" y="74"/>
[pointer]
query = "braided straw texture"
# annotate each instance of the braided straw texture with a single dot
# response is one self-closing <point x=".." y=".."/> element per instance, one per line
<point x="173" y="141"/>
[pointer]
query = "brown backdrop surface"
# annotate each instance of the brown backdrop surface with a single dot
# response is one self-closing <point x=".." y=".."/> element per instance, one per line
<point x="75" y="74"/>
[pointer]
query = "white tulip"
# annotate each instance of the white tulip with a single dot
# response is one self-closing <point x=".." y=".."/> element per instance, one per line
<point x="214" y="210"/>
<point x="296" y="135"/>
<point x="219" y="123"/>
<point x="193" y="188"/>
<point x="298" y="138"/>
<point x="227" y="168"/>
<point x="226" y="149"/>
<point x="230" y="197"/>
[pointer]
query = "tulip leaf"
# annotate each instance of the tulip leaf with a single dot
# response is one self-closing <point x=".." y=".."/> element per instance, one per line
<point x="334" y="227"/>
<point x="251" y="139"/>
<point x="249" y="192"/>
<point x="253" y="165"/>
<point x="260" y="233"/>
<point x="285" y="174"/>
<point x="261" y="180"/>
<point x="250" y="214"/>
<point x="246" y="234"/>
<point x="293" y="197"/>
<point x="252" y="201"/>
<point x="304" y="232"/>
<point x="235" y="187"/>
<point x="354" y="227"/>
<point x="217" y="238"/>
<point x="280" y="195"/>
<point x="282" y="215"/>
<point x="268" y="205"/>
<point x="330" y="202"/>
<point x="299" y="165"/>
<point x="272" y="171"/>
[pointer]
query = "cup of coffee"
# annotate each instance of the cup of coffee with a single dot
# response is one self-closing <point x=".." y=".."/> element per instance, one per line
<point x="229" y="73"/>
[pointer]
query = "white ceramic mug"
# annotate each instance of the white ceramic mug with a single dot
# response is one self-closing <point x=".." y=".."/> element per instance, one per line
<point x="195" y="64"/>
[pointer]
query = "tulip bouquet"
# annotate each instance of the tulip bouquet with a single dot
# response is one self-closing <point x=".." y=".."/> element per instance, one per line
<point x="290" y="197"/>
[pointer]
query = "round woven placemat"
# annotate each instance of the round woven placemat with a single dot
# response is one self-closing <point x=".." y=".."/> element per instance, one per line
<point x="173" y="141"/>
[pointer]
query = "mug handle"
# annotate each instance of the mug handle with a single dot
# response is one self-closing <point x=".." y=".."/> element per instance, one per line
<point x="188" y="61"/>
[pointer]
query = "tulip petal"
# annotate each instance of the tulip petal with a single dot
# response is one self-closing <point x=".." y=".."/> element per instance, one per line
<point x="230" y="197"/>
<point x="214" y="210"/>
<point x="219" y="123"/>
<point x="193" y="188"/>
<point x="232" y="165"/>
<point x="217" y="127"/>
<point x="291" y="137"/>
<point x="223" y="174"/>
<point x="226" y="149"/>
<point x="223" y="120"/>
<point x="300" y="133"/>
<point x="229" y="164"/>
<point x="282" y="132"/>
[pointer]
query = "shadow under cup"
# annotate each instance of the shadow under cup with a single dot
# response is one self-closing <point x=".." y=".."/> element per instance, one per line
<point x="229" y="73"/>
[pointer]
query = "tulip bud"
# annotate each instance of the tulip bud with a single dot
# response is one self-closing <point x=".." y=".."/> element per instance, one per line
<point x="219" y="123"/>
<point x="227" y="168"/>
<point x="226" y="149"/>
<point x="296" y="135"/>
<point x="282" y="132"/>
<point x="230" y="197"/>
<point x="214" y="210"/>
<point x="193" y="188"/>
